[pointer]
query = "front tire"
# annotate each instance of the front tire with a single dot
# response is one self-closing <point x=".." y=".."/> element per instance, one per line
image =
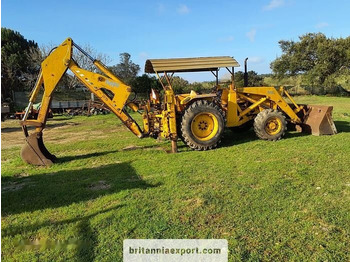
<point x="202" y="125"/>
<point x="270" y="125"/>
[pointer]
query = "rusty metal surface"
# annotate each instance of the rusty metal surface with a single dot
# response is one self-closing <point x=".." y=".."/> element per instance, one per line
<point x="318" y="121"/>
<point x="34" y="151"/>
<point x="195" y="64"/>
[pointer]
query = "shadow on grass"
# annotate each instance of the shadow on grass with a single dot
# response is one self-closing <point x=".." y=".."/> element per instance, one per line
<point x="235" y="138"/>
<point x="65" y="159"/>
<point x="342" y="126"/>
<point x="53" y="190"/>
<point x="78" y="157"/>
<point x="87" y="238"/>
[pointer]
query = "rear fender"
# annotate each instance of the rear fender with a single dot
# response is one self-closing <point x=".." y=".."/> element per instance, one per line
<point x="186" y="99"/>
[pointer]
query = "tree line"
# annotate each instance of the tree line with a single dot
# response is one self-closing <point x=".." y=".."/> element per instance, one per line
<point x="323" y="63"/>
<point x="21" y="60"/>
<point x="320" y="62"/>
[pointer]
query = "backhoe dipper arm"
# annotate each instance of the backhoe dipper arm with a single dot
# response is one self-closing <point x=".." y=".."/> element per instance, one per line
<point x="114" y="98"/>
<point x="111" y="90"/>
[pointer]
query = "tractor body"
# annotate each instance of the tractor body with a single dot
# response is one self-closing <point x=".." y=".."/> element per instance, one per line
<point x="199" y="119"/>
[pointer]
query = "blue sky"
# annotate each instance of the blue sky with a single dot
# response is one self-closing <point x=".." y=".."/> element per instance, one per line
<point x="165" y="29"/>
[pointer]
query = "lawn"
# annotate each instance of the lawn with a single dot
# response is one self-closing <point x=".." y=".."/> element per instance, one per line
<point x="273" y="201"/>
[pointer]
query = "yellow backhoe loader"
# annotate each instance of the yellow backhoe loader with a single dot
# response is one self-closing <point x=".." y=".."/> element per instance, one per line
<point x="198" y="119"/>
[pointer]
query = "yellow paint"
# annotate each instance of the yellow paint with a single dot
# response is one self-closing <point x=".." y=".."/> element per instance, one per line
<point x="232" y="111"/>
<point x="273" y="126"/>
<point x="54" y="67"/>
<point x="204" y="126"/>
<point x="169" y="116"/>
<point x="273" y="96"/>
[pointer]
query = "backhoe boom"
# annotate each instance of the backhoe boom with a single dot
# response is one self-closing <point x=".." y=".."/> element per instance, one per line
<point x="110" y="89"/>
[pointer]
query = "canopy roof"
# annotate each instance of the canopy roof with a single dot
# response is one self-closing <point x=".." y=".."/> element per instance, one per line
<point x="195" y="64"/>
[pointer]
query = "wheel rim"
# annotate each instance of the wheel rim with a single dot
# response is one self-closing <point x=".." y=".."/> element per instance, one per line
<point x="204" y="126"/>
<point x="273" y="126"/>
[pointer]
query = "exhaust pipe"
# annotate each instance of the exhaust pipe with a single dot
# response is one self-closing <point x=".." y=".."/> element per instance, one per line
<point x="245" y="73"/>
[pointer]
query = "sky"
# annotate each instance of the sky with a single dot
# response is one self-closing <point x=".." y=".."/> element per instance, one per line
<point x="167" y="29"/>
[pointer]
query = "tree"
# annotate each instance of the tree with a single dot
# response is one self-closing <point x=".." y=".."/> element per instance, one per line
<point x="253" y="79"/>
<point x="16" y="65"/>
<point x="35" y="58"/>
<point x="314" y="56"/>
<point x="143" y="84"/>
<point x="126" y="69"/>
<point x="196" y="86"/>
<point x="69" y="80"/>
<point x="84" y="62"/>
<point x="179" y="84"/>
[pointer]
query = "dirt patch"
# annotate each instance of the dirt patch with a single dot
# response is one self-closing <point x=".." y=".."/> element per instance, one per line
<point x="194" y="202"/>
<point x="147" y="148"/>
<point x="9" y="140"/>
<point x="157" y="148"/>
<point x="63" y="125"/>
<point x="100" y="185"/>
<point x="255" y="186"/>
<point x="131" y="147"/>
<point x="134" y="178"/>
<point x="14" y="186"/>
<point x="67" y="137"/>
<point x="21" y="175"/>
<point x="53" y="133"/>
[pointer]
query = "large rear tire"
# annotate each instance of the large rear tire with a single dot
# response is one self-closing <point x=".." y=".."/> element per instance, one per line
<point x="270" y="125"/>
<point x="202" y="125"/>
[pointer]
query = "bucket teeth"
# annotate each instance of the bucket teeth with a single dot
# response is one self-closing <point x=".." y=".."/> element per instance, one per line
<point x="318" y="121"/>
<point x="34" y="151"/>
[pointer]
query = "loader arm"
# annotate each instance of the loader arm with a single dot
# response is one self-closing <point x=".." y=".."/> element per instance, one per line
<point x="109" y="88"/>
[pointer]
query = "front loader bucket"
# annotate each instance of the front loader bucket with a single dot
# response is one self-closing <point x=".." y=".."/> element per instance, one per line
<point x="318" y="121"/>
<point x="34" y="151"/>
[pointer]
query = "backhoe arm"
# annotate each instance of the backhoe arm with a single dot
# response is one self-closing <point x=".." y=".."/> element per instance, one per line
<point x="111" y="90"/>
<point x="114" y="98"/>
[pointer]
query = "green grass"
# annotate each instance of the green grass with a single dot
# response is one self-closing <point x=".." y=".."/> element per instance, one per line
<point x="273" y="201"/>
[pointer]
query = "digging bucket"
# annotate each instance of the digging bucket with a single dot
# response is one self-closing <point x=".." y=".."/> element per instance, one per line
<point x="318" y="120"/>
<point x="34" y="151"/>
